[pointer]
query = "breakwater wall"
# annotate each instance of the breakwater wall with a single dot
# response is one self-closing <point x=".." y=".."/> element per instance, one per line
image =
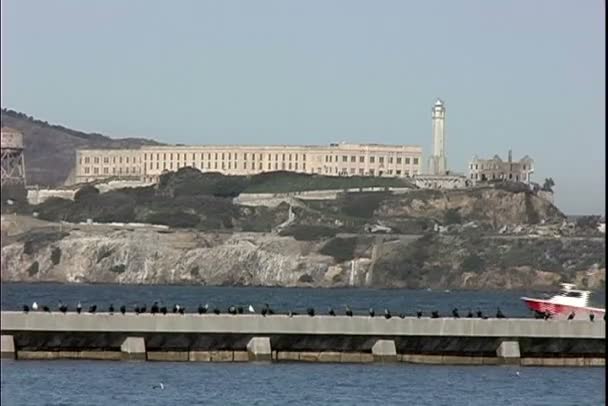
<point x="193" y="337"/>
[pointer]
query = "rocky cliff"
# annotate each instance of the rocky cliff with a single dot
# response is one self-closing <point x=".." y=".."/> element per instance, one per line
<point x="131" y="255"/>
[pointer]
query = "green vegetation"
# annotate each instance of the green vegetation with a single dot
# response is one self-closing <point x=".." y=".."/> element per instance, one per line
<point x="473" y="263"/>
<point x="452" y="216"/>
<point x="361" y="205"/>
<point x="120" y="268"/>
<point x="33" y="269"/>
<point x="342" y="249"/>
<point x="55" y="255"/>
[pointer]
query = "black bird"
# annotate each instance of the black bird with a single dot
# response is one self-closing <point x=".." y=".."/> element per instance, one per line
<point x="419" y="313"/>
<point x="154" y="309"/>
<point x="331" y="312"/>
<point x="434" y="314"/>
<point x="310" y="311"/>
<point x="265" y="310"/>
<point x="46" y="309"/>
<point x="202" y="309"/>
<point x="216" y="311"/>
<point x="499" y="314"/>
<point x="78" y="308"/>
<point x="349" y="312"/>
<point x="239" y="309"/>
<point x="455" y="313"/>
<point x="181" y="310"/>
<point x="591" y="316"/>
<point x="470" y="314"/>
<point x="387" y="314"/>
<point x="269" y="311"/>
<point x="92" y="309"/>
<point x="136" y="309"/>
<point x="163" y="310"/>
<point x="479" y="314"/>
<point x="26" y="308"/>
<point x="111" y="309"/>
<point x="175" y="308"/>
<point x="232" y="310"/>
<point x="143" y="309"/>
<point x="123" y="309"/>
<point x="63" y="308"/>
<point x="571" y="316"/>
<point x="402" y="315"/>
<point x="372" y="313"/>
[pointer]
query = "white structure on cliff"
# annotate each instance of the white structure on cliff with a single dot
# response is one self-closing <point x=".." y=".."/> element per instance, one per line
<point x="438" y="162"/>
<point x="13" y="163"/>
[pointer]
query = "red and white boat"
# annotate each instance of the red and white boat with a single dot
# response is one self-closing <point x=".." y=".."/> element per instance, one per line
<point x="569" y="301"/>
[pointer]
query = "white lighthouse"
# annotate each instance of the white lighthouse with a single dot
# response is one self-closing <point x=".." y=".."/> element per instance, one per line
<point x="437" y="161"/>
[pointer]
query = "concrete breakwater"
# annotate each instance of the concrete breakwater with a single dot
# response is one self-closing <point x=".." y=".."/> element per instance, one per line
<point x="193" y="337"/>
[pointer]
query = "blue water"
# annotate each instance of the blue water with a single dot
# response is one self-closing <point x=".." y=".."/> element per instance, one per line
<point x="407" y="301"/>
<point x="122" y="383"/>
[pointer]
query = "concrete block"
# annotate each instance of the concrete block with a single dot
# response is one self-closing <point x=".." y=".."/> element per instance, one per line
<point x="101" y="355"/>
<point x="366" y="357"/>
<point x="596" y="362"/>
<point x="508" y="352"/>
<point x="222" y="356"/>
<point x="240" y="356"/>
<point x="133" y="348"/>
<point x="288" y="356"/>
<point x="384" y="351"/>
<point x="199" y="356"/>
<point x="350" y="357"/>
<point x="460" y="360"/>
<point x="168" y="356"/>
<point x="259" y="349"/>
<point x="309" y="356"/>
<point x="329" y="356"/>
<point x="8" y="347"/>
<point x="422" y="359"/>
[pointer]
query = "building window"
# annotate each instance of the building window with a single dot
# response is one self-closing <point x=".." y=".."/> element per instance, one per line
<point x="381" y="159"/>
<point x="297" y="157"/>
<point x="87" y="160"/>
<point x="269" y="166"/>
<point x="283" y="160"/>
<point x="96" y="160"/>
<point x="86" y="169"/>
<point x="114" y="170"/>
<point x="390" y="160"/>
<point x="361" y="171"/>
<point x="106" y="160"/>
<point x="372" y="159"/>
<point x="283" y="165"/>
<point x="371" y="172"/>
<point x="415" y="161"/>
<point x="353" y="158"/>
<point x="290" y="157"/>
<point x="390" y="171"/>
<point x="229" y="163"/>
<point x="398" y="172"/>
<point x="344" y="158"/>
<point x="407" y="161"/>
<point x="290" y="166"/>
<point x="361" y="159"/>
<point x="253" y="165"/>
<point x="398" y="161"/>
<point x="260" y="165"/>
<point x="276" y="166"/>
<point x="296" y="166"/>
<point x="352" y="171"/>
<point x="244" y="165"/>
<point x="95" y="171"/>
<point x="229" y="156"/>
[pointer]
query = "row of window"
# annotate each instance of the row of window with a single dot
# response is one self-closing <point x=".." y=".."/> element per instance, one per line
<point x="372" y="159"/>
<point x="115" y="171"/>
<point x="485" y="177"/>
<point x="106" y="160"/>
<point x="493" y="166"/>
<point x="223" y="155"/>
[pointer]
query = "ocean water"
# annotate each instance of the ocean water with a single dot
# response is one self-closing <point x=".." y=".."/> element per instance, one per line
<point x="131" y="383"/>
<point x="86" y="383"/>
<point x="408" y="301"/>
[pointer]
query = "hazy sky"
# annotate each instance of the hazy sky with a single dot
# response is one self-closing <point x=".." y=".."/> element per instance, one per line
<point x="525" y="75"/>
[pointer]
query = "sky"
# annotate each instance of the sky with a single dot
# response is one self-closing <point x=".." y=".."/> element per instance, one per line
<point x="522" y="75"/>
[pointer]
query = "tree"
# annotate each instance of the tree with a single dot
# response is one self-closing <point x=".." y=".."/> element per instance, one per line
<point x="548" y="185"/>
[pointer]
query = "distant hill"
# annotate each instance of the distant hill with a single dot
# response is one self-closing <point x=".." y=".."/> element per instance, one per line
<point x="50" y="148"/>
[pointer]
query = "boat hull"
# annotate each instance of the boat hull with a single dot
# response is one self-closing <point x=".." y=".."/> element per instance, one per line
<point x="562" y="311"/>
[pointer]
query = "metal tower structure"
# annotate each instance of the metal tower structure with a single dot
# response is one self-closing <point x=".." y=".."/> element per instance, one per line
<point x="13" y="163"/>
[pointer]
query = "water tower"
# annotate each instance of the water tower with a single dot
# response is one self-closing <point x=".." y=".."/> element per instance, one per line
<point x="13" y="164"/>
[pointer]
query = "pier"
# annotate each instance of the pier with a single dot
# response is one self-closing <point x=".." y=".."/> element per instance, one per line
<point x="278" y="338"/>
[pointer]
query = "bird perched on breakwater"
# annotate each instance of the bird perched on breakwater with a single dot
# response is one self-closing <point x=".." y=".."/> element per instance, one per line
<point x="349" y="311"/>
<point x="79" y="308"/>
<point x="547" y="315"/>
<point x="387" y="314"/>
<point x="154" y="309"/>
<point x="111" y="308"/>
<point x="175" y="308"/>
<point x="310" y="311"/>
<point x="470" y="314"/>
<point x="479" y="314"/>
<point x="136" y="309"/>
<point x="216" y="311"/>
<point x="331" y="312"/>
<point x="143" y="309"/>
<point x="34" y="306"/>
<point x="402" y="315"/>
<point x="63" y="308"/>
<point x="26" y="308"/>
<point x="203" y="309"/>
<point x="419" y="313"/>
<point x="251" y="309"/>
<point x="163" y="310"/>
<point x="372" y="313"/>
<point x="232" y="310"/>
<point x="123" y="309"/>
<point x="571" y="316"/>
<point x="499" y="314"/>
<point x="182" y="310"/>
<point x="239" y="309"/>
<point x="46" y="309"/>
<point x="92" y="309"/>
<point x="434" y="314"/>
<point x="159" y="386"/>
<point x="591" y="316"/>
<point x="455" y="313"/>
<point x="266" y="310"/>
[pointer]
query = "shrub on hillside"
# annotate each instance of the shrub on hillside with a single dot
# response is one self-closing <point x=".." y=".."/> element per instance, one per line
<point x="309" y="232"/>
<point x="342" y="249"/>
<point x="362" y="205"/>
<point x="85" y="193"/>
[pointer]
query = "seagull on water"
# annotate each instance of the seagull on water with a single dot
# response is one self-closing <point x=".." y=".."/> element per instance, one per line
<point x="159" y="386"/>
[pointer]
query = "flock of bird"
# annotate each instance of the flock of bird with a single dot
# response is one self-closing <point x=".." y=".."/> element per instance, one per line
<point x="266" y="310"/>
